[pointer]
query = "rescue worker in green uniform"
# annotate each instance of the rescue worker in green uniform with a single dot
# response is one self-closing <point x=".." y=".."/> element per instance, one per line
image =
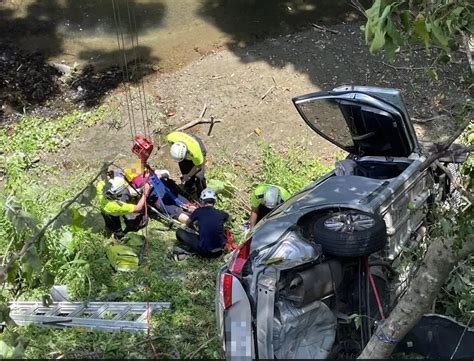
<point x="190" y="153"/>
<point x="264" y="198"/>
<point x="114" y="201"/>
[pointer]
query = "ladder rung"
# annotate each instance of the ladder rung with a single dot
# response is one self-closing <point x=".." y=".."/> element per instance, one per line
<point x="54" y="311"/>
<point x="100" y="311"/>
<point x="121" y="314"/>
<point x="77" y="312"/>
<point x="91" y="315"/>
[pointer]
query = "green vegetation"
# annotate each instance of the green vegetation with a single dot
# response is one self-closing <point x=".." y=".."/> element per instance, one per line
<point x="394" y="24"/>
<point x="73" y="250"/>
<point x="22" y="142"/>
<point x="293" y="170"/>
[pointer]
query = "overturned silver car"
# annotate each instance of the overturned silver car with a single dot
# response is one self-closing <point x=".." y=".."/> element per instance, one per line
<point x="324" y="258"/>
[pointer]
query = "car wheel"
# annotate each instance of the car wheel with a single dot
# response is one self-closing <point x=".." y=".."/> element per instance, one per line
<point x="350" y="233"/>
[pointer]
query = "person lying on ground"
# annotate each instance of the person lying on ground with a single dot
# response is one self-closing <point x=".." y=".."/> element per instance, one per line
<point x="190" y="153"/>
<point x="115" y="204"/>
<point x="264" y="198"/>
<point x="211" y="240"/>
<point x="170" y="201"/>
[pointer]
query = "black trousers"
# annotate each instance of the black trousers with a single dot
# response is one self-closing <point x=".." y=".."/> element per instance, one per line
<point x="114" y="225"/>
<point x="197" y="182"/>
<point x="262" y="211"/>
<point x="190" y="242"/>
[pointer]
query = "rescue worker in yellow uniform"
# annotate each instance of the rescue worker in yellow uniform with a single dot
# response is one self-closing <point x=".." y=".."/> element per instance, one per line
<point x="114" y="201"/>
<point x="264" y="198"/>
<point x="190" y="153"/>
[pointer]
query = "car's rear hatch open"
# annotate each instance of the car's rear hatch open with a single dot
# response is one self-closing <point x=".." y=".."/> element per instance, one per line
<point x="361" y="120"/>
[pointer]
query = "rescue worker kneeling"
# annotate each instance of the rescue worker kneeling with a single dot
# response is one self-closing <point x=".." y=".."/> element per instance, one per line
<point x="265" y="198"/>
<point x="211" y="239"/>
<point x="115" y="203"/>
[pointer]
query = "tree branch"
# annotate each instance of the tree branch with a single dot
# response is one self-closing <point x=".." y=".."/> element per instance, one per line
<point x="27" y="246"/>
<point x="438" y="262"/>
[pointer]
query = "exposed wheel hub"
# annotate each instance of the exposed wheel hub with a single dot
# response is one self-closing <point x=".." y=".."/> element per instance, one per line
<point x="349" y="222"/>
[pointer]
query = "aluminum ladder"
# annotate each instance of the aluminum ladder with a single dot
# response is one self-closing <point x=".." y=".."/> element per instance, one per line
<point x="108" y="316"/>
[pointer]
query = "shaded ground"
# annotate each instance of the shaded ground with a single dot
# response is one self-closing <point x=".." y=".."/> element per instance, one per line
<point x="251" y="91"/>
<point x="171" y="34"/>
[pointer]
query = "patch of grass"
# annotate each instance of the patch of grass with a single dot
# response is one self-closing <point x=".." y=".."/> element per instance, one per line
<point x="293" y="169"/>
<point x="22" y="142"/>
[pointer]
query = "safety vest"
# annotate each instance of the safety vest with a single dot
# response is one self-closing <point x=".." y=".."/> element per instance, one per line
<point x="114" y="208"/>
<point x="257" y="198"/>
<point x="196" y="149"/>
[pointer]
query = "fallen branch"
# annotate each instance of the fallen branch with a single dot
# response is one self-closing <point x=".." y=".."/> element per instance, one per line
<point x="28" y="244"/>
<point x="440" y="259"/>
<point x="197" y="121"/>
<point x="192" y="354"/>
<point x="267" y="92"/>
<point x="426" y="120"/>
<point x="401" y="67"/>
<point x="200" y="120"/>
<point x="325" y="29"/>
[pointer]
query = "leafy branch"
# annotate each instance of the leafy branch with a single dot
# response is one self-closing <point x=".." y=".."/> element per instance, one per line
<point x="28" y="246"/>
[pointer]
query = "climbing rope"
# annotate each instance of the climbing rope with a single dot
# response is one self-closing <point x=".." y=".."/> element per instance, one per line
<point x="124" y="66"/>
<point x="137" y="62"/>
<point x="129" y="104"/>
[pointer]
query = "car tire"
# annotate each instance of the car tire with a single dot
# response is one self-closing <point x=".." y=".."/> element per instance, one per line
<point x="350" y="233"/>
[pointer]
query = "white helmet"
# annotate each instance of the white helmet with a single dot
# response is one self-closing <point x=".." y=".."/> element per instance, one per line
<point x="163" y="173"/>
<point x="115" y="186"/>
<point x="178" y="151"/>
<point x="272" y="197"/>
<point x="208" y="193"/>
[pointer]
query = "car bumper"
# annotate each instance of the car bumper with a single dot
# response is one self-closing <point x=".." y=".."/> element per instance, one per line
<point x="234" y="322"/>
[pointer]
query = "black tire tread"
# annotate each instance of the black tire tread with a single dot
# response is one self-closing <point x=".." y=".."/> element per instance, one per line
<point x="356" y="244"/>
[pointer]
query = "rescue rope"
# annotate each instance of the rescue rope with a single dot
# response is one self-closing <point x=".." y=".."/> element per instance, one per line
<point x="126" y="77"/>
<point x="125" y="71"/>
<point x="137" y="61"/>
<point x="122" y="66"/>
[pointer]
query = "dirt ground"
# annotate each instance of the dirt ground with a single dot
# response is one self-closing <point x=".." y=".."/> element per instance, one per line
<point x="250" y="89"/>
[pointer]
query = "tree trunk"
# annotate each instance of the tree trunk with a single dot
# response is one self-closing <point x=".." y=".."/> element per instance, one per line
<point x="469" y="47"/>
<point x="439" y="260"/>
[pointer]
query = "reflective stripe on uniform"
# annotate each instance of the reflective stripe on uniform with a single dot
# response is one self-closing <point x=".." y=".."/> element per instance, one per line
<point x="114" y="208"/>
<point x="196" y="150"/>
<point x="257" y="198"/>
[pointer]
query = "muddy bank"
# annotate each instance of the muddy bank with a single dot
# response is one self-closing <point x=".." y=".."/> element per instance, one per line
<point x="250" y="90"/>
<point x="171" y="33"/>
<point x="30" y="84"/>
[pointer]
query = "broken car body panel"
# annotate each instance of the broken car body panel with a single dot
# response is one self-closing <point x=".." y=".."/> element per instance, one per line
<point x="291" y="285"/>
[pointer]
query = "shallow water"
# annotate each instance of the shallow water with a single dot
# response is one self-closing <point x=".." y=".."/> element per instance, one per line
<point x="171" y="33"/>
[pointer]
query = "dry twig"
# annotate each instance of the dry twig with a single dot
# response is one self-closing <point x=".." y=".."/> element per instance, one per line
<point x="402" y="67"/>
<point x="200" y="120"/>
<point x="194" y="353"/>
<point x="325" y="29"/>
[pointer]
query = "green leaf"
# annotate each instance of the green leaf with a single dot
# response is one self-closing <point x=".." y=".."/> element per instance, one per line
<point x="88" y="195"/>
<point x="48" y="279"/>
<point x="420" y="30"/>
<point x="20" y="219"/>
<point x="32" y="260"/>
<point x="439" y="36"/>
<point x="13" y="273"/>
<point x="64" y="219"/>
<point x="47" y="300"/>
<point x="94" y="221"/>
<point x="378" y="41"/>
<point x="66" y="241"/>
<point x="5" y="313"/>
<point x="4" y="349"/>
<point x="433" y="73"/>
<point x="405" y="19"/>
